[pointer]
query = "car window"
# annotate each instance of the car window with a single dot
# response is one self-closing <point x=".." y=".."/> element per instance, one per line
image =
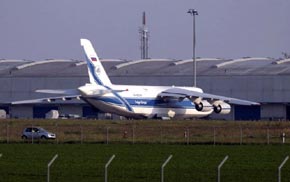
<point x="28" y="130"/>
<point x="35" y="130"/>
<point x="41" y="129"/>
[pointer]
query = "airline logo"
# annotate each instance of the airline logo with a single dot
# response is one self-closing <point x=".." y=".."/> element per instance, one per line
<point x="93" y="59"/>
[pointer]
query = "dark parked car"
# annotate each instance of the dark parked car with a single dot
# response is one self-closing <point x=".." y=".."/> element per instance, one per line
<point x="37" y="133"/>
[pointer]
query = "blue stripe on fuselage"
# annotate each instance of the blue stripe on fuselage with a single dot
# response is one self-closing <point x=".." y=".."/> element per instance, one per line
<point x="149" y="102"/>
<point x="124" y="101"/>
<point x="98" y="81"/>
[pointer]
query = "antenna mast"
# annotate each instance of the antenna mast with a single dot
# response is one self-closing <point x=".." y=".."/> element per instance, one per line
<point x="144" y="35"/>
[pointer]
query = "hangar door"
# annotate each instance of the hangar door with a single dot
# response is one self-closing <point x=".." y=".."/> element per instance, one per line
<point x="288" y="112"/>
<point x="40" y="111"/>
<point x="90" y="112"/>
<point x="247" y="112"/>
<point x="5" y="108"/>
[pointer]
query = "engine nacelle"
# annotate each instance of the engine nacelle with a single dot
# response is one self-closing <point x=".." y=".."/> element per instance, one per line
<point x="203" y="106"/>
<point x="221" y="107"/>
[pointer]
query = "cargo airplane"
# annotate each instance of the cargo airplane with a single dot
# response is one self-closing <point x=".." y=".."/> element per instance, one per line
<point x="138" y="102"/>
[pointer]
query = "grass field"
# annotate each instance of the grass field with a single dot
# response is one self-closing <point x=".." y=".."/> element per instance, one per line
<point x="142" y="162"/>
<point x="151" y="131"/>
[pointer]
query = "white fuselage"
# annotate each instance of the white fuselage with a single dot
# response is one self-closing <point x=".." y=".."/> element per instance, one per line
<point x="134" y="101"/>
<point x="140" y="101"/>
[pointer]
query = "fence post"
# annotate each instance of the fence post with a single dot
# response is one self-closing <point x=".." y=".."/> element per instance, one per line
<point x="187" y="136"/>
<point x="107" y="136"/>
<point x="162" y="168"/>
<point x="81" y="128"/>
<point x="213" y="135"/>
<point x="268" y="136"/>
<point x="133" y="134"/>
<point x="241" y="136"/>
<point x="57" y="134"/>
<point x="160" y="134"/>
<point x="48" y="167"/>
<point x="106" y="167"/>
<point x="219" y="168"/>
<point x="32" y="135"/>
<point x="280" y="167"/>
<point x="7" y="133"/>
<point x="283" y="137"/>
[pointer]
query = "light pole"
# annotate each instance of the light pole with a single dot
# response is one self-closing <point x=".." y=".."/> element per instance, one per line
<point x="193" y="12"/>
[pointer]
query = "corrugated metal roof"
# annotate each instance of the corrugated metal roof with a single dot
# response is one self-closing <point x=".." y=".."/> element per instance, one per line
<point x="241" y="60"/>
<point x="197" y="60"/>
<point x="281" y="61"/>
<point x="205" y="66"/>
<point x="129" y="63"/>
<point x="41" y="62"/>
<point x="6" y="64"/>
<point x="12" y="61"/>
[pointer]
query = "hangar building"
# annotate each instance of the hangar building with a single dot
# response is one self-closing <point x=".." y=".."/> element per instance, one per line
<point x="263" y="80"/>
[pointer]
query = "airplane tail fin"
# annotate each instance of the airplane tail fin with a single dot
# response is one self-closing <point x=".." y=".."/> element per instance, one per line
<point x="96" y="70"/>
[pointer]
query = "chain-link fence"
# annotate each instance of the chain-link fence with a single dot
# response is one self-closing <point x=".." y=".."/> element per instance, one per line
<point x="81" y="131"/>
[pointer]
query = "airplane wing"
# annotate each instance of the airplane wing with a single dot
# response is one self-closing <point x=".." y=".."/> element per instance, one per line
<point x="65" y="92"/>
<point x="182" y="93"/>
<point x="69" y="94"/>
<point x="48" y="99"/>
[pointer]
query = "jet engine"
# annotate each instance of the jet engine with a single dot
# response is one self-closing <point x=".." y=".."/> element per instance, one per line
<point x="203" y="106"/>
<point x="221" y="107"/>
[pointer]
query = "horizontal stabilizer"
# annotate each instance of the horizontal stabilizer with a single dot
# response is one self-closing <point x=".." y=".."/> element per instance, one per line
<point x="66" y="92"/>
<point x="90" y="90"/>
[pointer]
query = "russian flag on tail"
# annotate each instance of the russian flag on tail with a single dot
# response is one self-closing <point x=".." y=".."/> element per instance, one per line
<point x="93" y="59"/>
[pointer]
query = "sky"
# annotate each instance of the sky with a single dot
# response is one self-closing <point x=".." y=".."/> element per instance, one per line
<point x="51" y="29"/>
